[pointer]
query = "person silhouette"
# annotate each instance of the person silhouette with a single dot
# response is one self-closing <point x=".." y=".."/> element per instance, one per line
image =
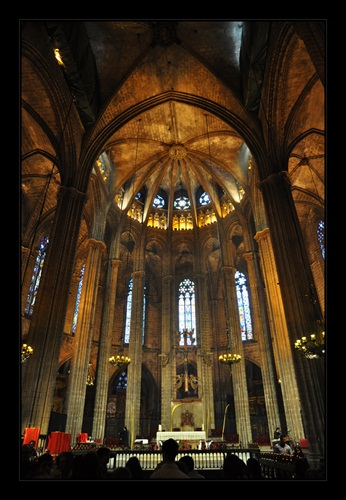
<point x="168" y="468"/>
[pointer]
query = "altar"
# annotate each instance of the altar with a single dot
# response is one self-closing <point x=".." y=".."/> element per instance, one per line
<point x="192" y="437"/>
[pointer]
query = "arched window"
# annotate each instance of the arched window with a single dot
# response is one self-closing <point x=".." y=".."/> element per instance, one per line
<point x="122" y="381"/>
<point x="243" y="306"/>
<point x="187" y="312"/>
<point x="320" y="237"/>
<point x="36" y="276"/>
<point x="79" y="293"/>
<point x="204" y="199"/>
<point x="158" y="202"/>
<point x="128" y="313"/>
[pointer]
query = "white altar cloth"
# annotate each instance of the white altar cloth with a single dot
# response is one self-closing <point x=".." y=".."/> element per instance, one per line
<point x="180" y="436"/>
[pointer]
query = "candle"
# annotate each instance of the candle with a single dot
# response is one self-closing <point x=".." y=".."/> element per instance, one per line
<point x="160" y="427"/>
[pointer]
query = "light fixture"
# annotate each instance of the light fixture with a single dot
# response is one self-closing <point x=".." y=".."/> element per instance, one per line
<point x="229" y="358"/>
<point x="119" y="360"/>
<point x="312" y="347"/>
<point x="26" y="352"/>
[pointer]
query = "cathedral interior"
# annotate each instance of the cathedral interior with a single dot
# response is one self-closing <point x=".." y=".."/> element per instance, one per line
<point x="172" y="217"/>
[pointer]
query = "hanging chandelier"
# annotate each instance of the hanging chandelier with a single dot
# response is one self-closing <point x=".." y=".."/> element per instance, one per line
<point x="119" y="360"/>
<point x="229" y="358"/>
<point x="312" y="347"/>
<point x="26" y="352"/>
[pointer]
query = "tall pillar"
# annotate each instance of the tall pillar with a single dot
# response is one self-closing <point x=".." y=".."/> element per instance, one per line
<point x="241" y="397"/>
<point x="47" y="324"/>
<point x="104" y="352"/>
<point x="81" y="356"/>
<point x="264" y="344"/>
<point x="168" y="360"/>
<point x="204" y="360"/>
<point x="134" y="370"/>
<point x="281" y="344"/>
<point x="301" y="312"/>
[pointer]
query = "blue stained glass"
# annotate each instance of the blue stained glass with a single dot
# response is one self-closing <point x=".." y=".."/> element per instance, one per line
<point x="128" y="312"/>
<point x="158" y="202"/>
<point x="79" y="293"/>
<point x="204" y="199"/>
<point x="36" y="276"/>
<point x="243" y="306"/>
<point x="320" y="237"/>
<point x="187" y="312"/>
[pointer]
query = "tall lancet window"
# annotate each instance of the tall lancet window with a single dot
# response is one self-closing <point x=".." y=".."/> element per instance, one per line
<point x="320" y="237"/>
<point x="129" y="311"/>
<point x="36" y="276"/>
<point x="243" y="306"/>
<point x="187" y="313"/>
<point x="79" y="294"/>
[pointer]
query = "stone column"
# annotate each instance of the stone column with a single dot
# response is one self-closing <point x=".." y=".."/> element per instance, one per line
<point x="296" y="286"/>
<point x="279" y="333"/>
<point x="204" y="358"/>
<point x="241" y="397"/>
<point x="168" y="361"/>
<point x="262" y="335"/>
<point x="81" y="356"/>
<point x="104" y="352"/>
<point x="134" y="370"/>
<point x="47" y="324"/>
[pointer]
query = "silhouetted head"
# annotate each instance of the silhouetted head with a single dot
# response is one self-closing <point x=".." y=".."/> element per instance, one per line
<point x="170" y="450"/>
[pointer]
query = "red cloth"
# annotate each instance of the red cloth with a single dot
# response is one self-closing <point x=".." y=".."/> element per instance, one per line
<point x="31" y="434"/>
<point x="83" y="437"/>
<point x="58" y="442"/>
<point x="304" y="443"/>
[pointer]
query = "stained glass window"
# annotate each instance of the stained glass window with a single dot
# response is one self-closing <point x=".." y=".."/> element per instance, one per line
<point x="128" y="312"/>
<point x="243" y="306"/>
<point x="36" y="276"/>
<point x="182" y="203"/>
<point x="122" y="381"/>
<point x="158" y="202"/>
<point x="79" y="293"/>
<point x="320" y="236"/>
<point x="187" y="312"/>
<point x="204" y="199"/>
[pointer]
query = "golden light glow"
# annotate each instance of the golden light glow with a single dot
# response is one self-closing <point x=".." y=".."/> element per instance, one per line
<point x="26" y="352"/>
<point x="312" y="348"/>
<point x="229" y="358"/>
<point x="58" y="57"/>
<point x="119" y="360"/>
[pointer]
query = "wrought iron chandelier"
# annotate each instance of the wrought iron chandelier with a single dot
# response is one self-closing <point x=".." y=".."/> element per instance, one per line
<point x="313" y="347"/>
<point x="26" y="352"/>
<point x="119" y="360"/>
<point x="229" y="358"/>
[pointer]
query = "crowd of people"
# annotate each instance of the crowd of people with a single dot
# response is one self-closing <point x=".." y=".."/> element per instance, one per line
<point x="94" y="465"/>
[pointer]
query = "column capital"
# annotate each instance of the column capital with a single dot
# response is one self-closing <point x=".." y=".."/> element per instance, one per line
<point x="275" y="178"/>
<point x="262" y="235"/>
<point x="97" y="244"/>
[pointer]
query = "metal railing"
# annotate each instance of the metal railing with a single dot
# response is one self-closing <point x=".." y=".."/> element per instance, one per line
<point x="204" y="459"/>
